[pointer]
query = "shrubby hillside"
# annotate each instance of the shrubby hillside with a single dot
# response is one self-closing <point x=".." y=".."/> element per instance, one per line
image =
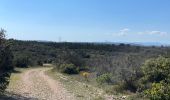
<point x="125" y="67"/>
<point x="99" y="57"/>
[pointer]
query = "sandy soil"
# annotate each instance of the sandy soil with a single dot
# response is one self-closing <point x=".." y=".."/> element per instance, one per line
<point x="34" y="83"/>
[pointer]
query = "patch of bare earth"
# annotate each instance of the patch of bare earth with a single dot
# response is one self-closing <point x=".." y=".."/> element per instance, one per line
<point x="34" y="83"/>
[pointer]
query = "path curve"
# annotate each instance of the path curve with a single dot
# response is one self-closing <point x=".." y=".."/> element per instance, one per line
<point x="35" y="83"/>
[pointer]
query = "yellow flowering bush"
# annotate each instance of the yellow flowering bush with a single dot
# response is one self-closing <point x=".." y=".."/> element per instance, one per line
<point x="85" y="75"/>
<point x="159" y="91"/>
<point x="157" y="72"/>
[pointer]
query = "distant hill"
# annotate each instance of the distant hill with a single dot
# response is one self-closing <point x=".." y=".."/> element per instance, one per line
<point x="141" y="43"/>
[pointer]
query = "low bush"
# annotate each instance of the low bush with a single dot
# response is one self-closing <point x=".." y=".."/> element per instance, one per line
<point x="39" y="63"/>
<point x="21" y="62"/>
<point x="156" y="70"/>
<point x="157" y="73"/>
<point x="158" y="91"/>
<point x="68" y="69"/>
<point x="104" y="78"/>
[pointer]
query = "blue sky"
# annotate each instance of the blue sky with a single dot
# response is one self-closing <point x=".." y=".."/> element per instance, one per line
<point x="87" y="20"/>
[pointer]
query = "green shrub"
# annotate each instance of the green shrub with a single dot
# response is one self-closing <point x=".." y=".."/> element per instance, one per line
<point x="6" y="66"/>
<point x="22" y="62"/>
<point x="70" y="57"/>
<point x="124" y="86"/>
<point x="130" y="79"/>
<point x="156" y="70"/>
<point x="68" y="69"/>
<point x="157" y="73"/>
<point x="104" y="78"/>
<point x="113" y="89"/>
<point x="39" y="63"/>
<point x="159" y="91"/>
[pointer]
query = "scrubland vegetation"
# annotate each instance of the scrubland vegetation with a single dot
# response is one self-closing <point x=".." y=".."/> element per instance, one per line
<point x="6" y="57"/>
<point x="116" y="68"/>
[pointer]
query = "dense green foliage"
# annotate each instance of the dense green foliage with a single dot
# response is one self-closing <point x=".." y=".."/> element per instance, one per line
<point x="22" y="62"/>
<point x="157" y="73"/>
<point x="156" y="70"/>
<point x="68" y="68"/>
<point x="69" y="62"/>
<point x="5" y="61"/>
<point x="159" y="91"/>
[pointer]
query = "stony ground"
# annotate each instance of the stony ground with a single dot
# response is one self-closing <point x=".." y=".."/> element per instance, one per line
<point x="34" y="84"/>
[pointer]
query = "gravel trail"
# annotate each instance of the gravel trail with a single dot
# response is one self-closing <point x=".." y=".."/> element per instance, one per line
<point x="34" y="83"/>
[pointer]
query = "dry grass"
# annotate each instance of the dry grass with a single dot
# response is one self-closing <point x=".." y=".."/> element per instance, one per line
<point x="80" y="89"/>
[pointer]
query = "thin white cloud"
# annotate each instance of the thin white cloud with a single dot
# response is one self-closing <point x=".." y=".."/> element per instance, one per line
<point x="124" y="31"/>
<point x="153" y="33"/>
<point x="157" y="32"/>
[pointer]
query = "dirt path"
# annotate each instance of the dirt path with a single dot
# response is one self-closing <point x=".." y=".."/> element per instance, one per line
<point x="34" y="83"/>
